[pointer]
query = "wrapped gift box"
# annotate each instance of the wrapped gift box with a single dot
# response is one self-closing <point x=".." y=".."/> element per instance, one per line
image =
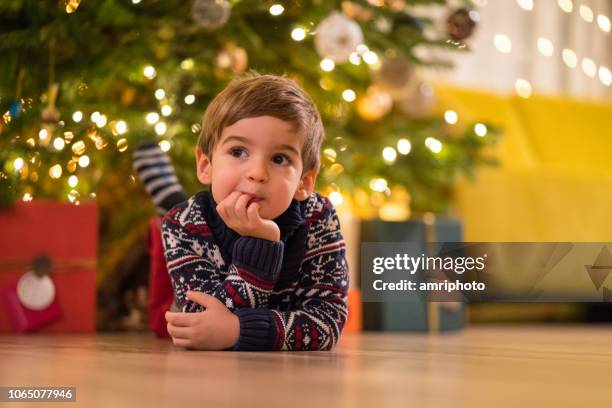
<point x="68" y="235"/>
<point x="427" y="234"/>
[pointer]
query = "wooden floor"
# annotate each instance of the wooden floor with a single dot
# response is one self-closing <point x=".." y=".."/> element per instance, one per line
<point x="508" y="366"/>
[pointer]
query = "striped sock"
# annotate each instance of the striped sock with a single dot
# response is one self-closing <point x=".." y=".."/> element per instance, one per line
<point x="157" y="174"/>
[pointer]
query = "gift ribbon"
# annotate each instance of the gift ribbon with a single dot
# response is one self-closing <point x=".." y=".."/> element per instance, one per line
<point x="11" y="265"/>
<point x="433" y="308"/>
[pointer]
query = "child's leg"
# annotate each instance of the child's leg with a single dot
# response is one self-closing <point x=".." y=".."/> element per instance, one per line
<point x="158" y="176"/>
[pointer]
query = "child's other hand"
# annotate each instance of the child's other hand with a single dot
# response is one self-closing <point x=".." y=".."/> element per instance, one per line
<point x="216" y="328"/>
<point x="246" y="221"/>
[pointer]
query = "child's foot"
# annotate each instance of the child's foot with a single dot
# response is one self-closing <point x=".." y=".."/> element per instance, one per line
<point x="155" y="170"/>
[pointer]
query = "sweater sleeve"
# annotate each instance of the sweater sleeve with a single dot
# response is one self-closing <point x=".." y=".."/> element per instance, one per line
<point x="321" y="310"/>
<point x="194" y="259"/>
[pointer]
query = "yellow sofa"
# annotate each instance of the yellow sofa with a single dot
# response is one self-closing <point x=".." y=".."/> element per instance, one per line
<point x="555" y="178"/>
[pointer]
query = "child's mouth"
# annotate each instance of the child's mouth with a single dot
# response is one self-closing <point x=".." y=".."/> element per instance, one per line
<point x="254" y="200"/>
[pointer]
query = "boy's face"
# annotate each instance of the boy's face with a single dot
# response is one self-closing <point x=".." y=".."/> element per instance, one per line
<point x="261" y="156"/>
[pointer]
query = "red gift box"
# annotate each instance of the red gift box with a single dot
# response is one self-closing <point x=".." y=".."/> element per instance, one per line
<point x="68" y="235"/>
<point x="161" y="294"/>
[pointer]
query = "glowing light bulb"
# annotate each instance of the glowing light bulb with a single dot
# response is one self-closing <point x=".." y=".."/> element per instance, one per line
<point x="545" y="46"/>
<point x="84" y="161"/>
<point x="348" y="95"/>
<point x="77" y="116"/>
<point x="152" y="118"/>
<point x="378" y="184"/>
<point x="298" y="34"/>
<point x="276" y="9"/>
<point x="149" y="72"/>
<point x="327" y="64"/>
<point x="18" y="164"/>
<point x="566" y="5"/>
<point x="166" y="110"/>
<point x="389" y="155"/>
<point x="101" y="122"/>
<point x="189" y="99"/>
<point x="480" y="129"/>
<point x="569" y="57"/>
<point x="187" y="64"/>
<point x="121" y="127"/>
<point x="73" y="181"/>
<point x="404" y="146"/>
<point x="160" y="94"/>
<point x="589" y="67"/>
<point x="160" y="128"/>
<point x="526" y="4"/>
<point x="433" y="144"/>
<point x="59" y="143"/>
<point x="450" y="117"/>
<point x="336" y="198"/>
<point x="164" y="145"/>
<point x="586" y="13"/>
<point x="55" y="171"/>
<point x="354" y="58"/>
<point x="523" y="88"/>
<point x="603" y="22"/>
<point x="370" y="57"/>
<point x="502" y="43"/>
<point x="605" y="76"/>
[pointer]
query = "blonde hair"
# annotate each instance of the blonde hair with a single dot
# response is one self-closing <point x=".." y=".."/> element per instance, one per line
<point x="253" y="95"/>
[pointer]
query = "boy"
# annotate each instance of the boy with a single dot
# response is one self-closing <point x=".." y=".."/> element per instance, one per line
<point x="258" y="261"/>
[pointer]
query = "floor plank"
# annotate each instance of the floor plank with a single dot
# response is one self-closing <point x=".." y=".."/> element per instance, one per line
<point x="481" y="366"/>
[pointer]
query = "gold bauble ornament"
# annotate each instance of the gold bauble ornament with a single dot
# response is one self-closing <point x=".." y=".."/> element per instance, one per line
<point x="375" y="104"/>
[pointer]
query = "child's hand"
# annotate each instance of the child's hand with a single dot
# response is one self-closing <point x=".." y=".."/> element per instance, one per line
<point x="246" y="221"/>
<point x="216" y="328"/>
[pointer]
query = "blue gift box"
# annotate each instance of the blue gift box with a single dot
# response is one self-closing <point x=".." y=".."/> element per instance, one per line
<point x="426" y="233"/>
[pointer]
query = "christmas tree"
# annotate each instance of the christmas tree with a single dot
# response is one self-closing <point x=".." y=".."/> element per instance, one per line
<point x="84" y="81"/>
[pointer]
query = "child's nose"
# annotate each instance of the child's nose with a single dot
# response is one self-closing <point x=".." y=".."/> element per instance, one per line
<point x="258" y="172"/>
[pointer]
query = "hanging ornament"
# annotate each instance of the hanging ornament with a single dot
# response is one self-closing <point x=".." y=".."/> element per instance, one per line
<point x="210" y="14"/>
<point x="383" y="24"/>
<point x="375" y="104"/>
<point x="420" y="102"/>
<point x="15" y="109"/>
<point x="396" y="5"/>
<point x="232" y="58"/>
<point x="355" y="11"/>
<point x="50" y="116"/>
<point x="460" y="25"/>
<point x="35" y="289"/>
<point x="72" y="5"/>
<point x="337" y="36"/>
<point x="396" y="77"/>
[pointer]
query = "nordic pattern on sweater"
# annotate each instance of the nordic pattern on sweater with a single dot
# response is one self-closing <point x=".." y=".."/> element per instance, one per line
<point x="307" y="314"/>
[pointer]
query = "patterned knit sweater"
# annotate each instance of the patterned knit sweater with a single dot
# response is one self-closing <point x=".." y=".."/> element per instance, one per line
<point x="288" y="295"/>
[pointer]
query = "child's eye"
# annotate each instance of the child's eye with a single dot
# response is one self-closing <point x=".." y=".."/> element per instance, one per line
<point x="237" y="151"/>
<point x="281" y="159"/>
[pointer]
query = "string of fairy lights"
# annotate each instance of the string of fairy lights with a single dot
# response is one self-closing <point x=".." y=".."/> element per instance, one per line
<point x="545" y="46"/>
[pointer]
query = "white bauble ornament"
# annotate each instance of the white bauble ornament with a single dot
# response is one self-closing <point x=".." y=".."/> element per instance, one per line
<point x="210" y="14"/>
<point x="337" y="36"/>
<point x="34" y="292"/>
<point x="396" y="76"/>
<point x="420" y="102"/>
